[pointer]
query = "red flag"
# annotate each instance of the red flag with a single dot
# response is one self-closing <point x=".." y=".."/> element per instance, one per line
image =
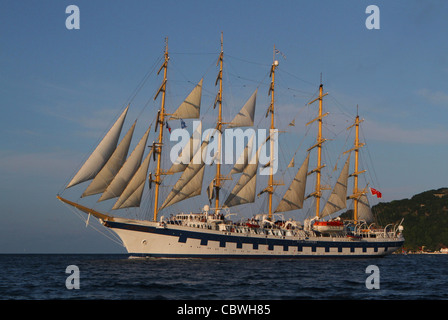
<point x="376" y="193"/>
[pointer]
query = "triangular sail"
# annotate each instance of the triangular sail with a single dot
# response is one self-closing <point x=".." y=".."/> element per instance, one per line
<point x="190" y="182"/>
<point x="111" y="168"/>
<point x="127" y="171"/>
<point x="364" y="211"/>
<point x="132" y="194"/>
<point x="101" y="154"/>
<point x="338" y="197"/>
<point x="190" y="108"/>
<point x="183" y="159"/>
<point x="295" y="195"/>
<point x="245" y="189"/>
<point x="244" y="157"/>
<point x="245" y="118"/>
<point x="291" y="163"/>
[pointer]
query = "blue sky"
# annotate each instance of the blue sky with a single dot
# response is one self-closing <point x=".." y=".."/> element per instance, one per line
<point x="61" y="89"/>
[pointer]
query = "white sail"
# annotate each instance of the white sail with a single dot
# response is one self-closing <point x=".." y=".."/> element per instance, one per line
<point x="132" y="194"/>
<point x="101" y="154"/>
<point x="244" y="157"/>
<point x="338" y="197"/>
<point x="190" y="108"/>
<point x="190" y="182"/>
<point x="245" y="189"/>
<point x="295" y="195"/>
<point x="364" y="211"/>
<point x="127" y="171"/>
<point x="245" y="118"/>
<point x="112" y="166"/>
<point x="184" y="159"/>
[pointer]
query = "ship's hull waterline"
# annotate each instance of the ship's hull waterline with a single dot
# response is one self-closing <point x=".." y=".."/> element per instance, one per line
<point x="149" y="239"/>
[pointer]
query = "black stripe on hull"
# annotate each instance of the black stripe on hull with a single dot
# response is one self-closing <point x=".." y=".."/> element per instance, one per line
<point x="223" y="239"/>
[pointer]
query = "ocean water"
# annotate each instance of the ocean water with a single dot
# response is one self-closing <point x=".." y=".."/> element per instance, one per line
<point x="118" y="277"/>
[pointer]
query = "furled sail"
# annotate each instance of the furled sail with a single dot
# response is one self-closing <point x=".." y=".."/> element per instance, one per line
<point x="364" y="211"/>
<point x="190" y="108"/>
<point x="245" y="118"/>
<point x="112" y="166"/>
<point x="132" y="194"/>
<point x="190" y="182"/>
<point x="294" y="196"/>
<point x="101" y="154"/>
<point x="338" y="197"/>
<point x="127" y="171"/>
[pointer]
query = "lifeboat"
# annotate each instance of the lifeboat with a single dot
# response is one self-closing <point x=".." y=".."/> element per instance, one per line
<point x="328" y="226"/>
<point x="251" y="225"/>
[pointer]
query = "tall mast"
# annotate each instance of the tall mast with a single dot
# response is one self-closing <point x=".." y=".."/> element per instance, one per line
<point x="357" y="145"/>
<point x="270" y="187"/>
<point x="219" y="127"/>
<point x="160" y="121"/>
<point x="318" y="188"/>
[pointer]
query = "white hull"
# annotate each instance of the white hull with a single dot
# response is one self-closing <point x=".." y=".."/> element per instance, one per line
<point x="149" y="239"/>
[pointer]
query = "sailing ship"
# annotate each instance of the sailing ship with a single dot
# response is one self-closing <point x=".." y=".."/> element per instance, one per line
<point x="211" y="232"/>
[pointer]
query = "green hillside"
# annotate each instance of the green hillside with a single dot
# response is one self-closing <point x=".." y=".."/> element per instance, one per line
<point x="425" y="218"/>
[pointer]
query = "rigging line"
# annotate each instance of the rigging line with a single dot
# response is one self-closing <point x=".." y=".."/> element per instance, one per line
<point x="303" y="138"/>
<point x="247" y="79"/>
<point x="178" y="70"/>
<point x="297" y="90"/>
<point x="81" y="216"/>
<point x="230" y="67"/>
<point x="193" y="53"/>
<point x="204" y="89"/>
<point x="341" y="107"/>
<point x="297" y="114"/>
<point x="247" y="61"/>
<point x="143" y="81"/>
<point x="370" y="157"/>
<point x="294" y="76"/>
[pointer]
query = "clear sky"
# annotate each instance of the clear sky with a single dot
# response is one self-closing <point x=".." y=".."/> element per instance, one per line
<point x="60" y="89"/>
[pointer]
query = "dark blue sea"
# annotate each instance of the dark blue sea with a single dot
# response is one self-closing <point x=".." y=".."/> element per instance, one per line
<point x="216" y="288"/>
<point x="119" y="277"/>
